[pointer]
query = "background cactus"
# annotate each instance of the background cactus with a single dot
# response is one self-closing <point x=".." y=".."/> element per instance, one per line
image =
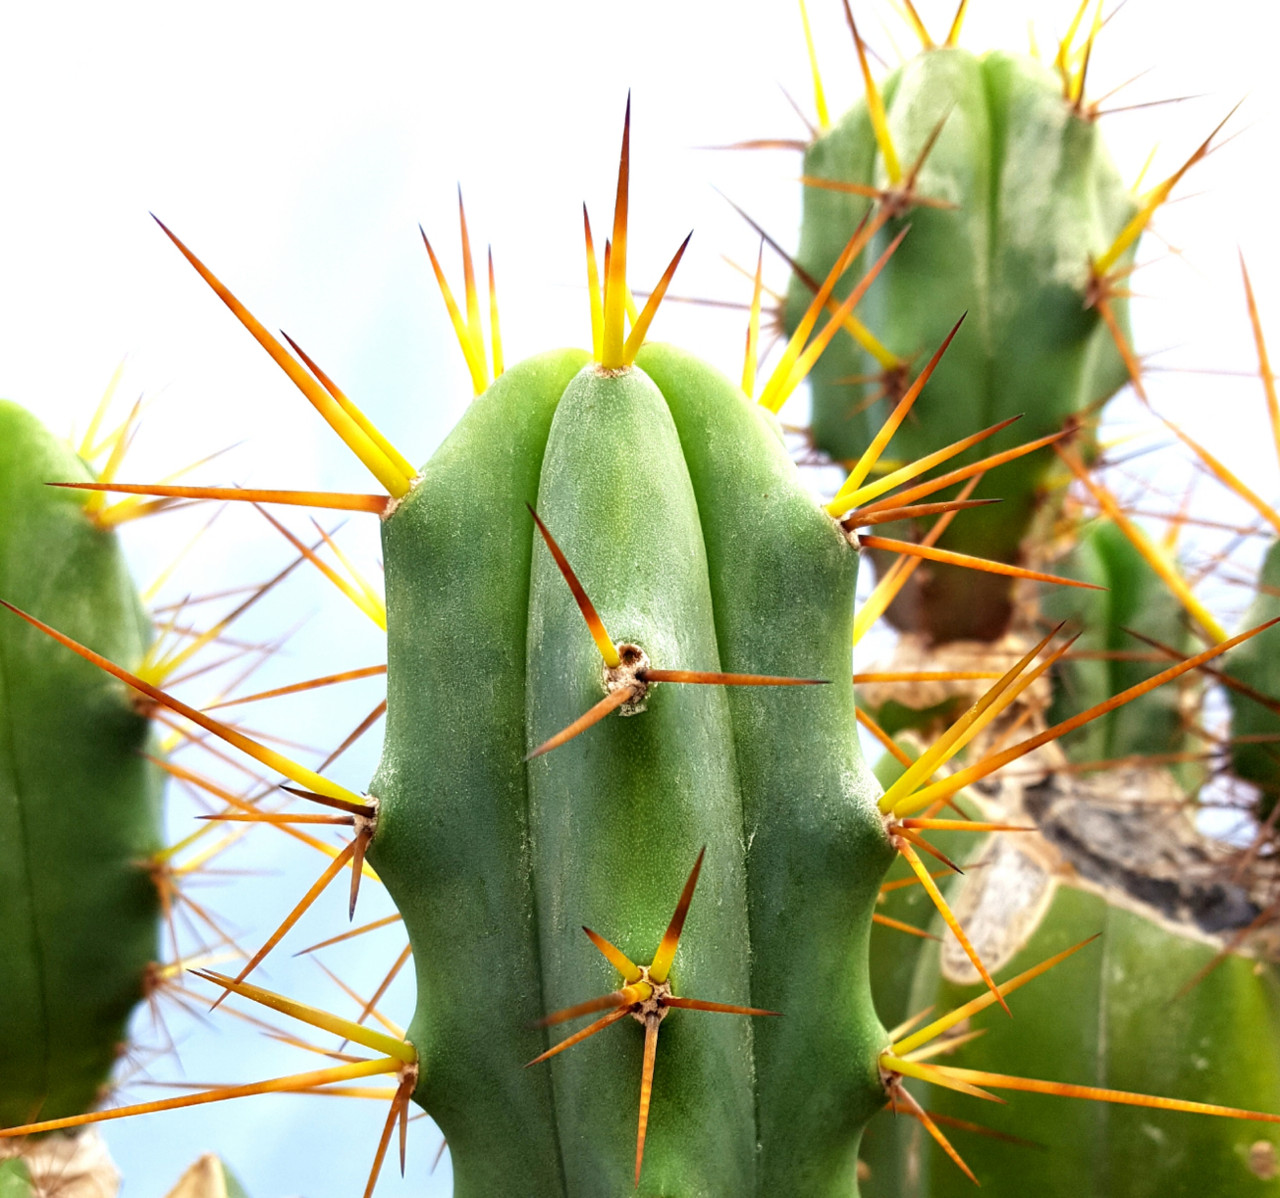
<point x="79" y="800"/>
<point x="169" y="288"/>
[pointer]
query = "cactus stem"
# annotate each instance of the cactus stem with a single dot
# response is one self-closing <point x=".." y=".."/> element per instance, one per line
<point x="970" y="562"/>
<point x="647" y="999"/>
<point x="875" y="105"/>
<point x="385" y="921"/>
<point x="339" y="419"/>
<point x="326" y="499"/>
<point x="857" y="497"/>
<point x="902" y="842"/>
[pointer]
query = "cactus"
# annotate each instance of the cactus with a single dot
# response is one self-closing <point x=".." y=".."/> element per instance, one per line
<point x="531" y="781"/>
<point x="1018" y="219"/>
<point x="78" y="800"/>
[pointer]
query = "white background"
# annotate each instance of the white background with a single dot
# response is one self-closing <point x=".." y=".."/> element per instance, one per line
<point x="296" y="147"/>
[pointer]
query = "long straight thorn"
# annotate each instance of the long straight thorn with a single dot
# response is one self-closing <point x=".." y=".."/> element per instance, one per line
<point x="615" y="287"/>
<point x="594" y="715"/>
<point x="651" y="1025"/>
<point x="598" y="634"/>
<point x="875" y="105"/>
<point x="662" y="959"/>
<point x="949" y="918"/>
<point x="351" y="433"/>
<point x="326" y="499"/>
<point x="635" y="339"/>
<point x="753" y="330"/>
<point x="268" y="757"/>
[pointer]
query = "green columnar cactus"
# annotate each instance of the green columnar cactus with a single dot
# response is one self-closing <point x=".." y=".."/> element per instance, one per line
<point x="1011" y="197"/>
<point x="1134" y="1011"/>
<point x="531" y="781"/>
<point x="676" y="503"/>
<point x="79" y="804"/>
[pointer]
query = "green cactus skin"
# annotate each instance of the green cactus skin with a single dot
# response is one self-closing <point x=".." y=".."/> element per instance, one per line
<point x="1036" y="196"/>
<point x="1136" y="598"/>
<point x="15" y="1180"/>
<point x="1111" y="1016"/>
<point x="1258" y="761"/>
<point x="675" y="501"/>
<point x="79" y="804"/>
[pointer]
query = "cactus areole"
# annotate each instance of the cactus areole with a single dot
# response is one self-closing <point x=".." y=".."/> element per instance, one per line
<point x="1008" y="209"/>
<point x="674" y="499"/>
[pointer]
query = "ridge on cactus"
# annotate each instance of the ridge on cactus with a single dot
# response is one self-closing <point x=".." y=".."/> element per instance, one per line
<point x="696" y="542"/>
